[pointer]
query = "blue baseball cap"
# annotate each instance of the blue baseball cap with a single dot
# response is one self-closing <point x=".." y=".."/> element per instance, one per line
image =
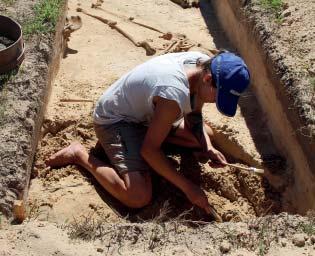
<point x="231" y="77"/>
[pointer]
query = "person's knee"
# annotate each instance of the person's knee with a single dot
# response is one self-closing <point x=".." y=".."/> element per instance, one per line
<point x="138" y="198"/>
<point x="138" y="189"/>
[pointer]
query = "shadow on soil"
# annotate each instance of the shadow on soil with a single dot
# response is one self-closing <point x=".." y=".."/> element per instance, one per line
<point x="168" y="202"/>
<point x="215" y="29"/>
<point x="255" y="119"/>
<point x="68" y="51"/>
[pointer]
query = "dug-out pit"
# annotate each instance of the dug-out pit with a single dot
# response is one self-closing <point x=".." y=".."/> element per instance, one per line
<point x="93" y="62"/>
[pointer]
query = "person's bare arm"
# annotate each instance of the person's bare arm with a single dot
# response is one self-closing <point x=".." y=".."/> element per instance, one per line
<point x="194" y="122"/>
<point x="166" y="112"/>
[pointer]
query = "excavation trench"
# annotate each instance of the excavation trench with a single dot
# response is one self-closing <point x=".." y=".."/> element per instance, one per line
<point x="96" y="55"/>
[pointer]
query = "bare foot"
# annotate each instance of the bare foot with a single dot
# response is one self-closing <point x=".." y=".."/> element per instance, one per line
<point x="68" y="155"/>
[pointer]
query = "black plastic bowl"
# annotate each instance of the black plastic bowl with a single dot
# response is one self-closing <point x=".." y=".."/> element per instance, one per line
<point x="13" y="55"/>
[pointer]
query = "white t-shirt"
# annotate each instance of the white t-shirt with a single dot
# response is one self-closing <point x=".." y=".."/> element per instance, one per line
<point x="130" y="98"/>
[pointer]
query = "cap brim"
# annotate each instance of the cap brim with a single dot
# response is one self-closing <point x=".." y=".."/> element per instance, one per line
<point x="226" y="103"/>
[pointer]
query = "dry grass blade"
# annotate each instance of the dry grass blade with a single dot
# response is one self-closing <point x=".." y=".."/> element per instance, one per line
<point x="86" y="228"/>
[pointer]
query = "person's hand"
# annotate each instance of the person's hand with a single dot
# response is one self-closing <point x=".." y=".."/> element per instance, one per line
<point x="217" y="158"/>
<point x="198" y="197"/>
<point x="213" y="157"/>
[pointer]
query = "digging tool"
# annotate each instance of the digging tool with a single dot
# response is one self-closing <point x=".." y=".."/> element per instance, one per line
<point x="250" y="169"/>
<point x="113" y="24"/>
<point x="245" y="168"/>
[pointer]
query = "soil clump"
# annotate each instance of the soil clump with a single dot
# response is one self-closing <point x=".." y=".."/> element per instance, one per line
<point x="5" y="42"/>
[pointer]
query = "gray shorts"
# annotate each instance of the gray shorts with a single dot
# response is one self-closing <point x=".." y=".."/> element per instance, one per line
<point x="122" y="144"/>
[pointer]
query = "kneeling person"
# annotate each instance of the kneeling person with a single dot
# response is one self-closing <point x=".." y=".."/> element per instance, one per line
<point x="159" y="101"/>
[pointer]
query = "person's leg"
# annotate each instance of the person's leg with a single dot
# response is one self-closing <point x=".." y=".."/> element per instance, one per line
<point x="185" y="138"/>
<point x="133" y="189"/>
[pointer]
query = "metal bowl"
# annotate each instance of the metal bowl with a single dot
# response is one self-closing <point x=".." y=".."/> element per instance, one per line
<point x="13" y="55"/>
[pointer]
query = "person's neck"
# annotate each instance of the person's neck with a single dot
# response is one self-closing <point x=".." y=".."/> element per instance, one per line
<point x="193" y="76"/>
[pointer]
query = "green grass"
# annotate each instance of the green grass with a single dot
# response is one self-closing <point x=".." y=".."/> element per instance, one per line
<point x="46" y="16"/>
<point x="263" y="244"/>
<point x="308" y="228"/>
<point x="274" y="6"/>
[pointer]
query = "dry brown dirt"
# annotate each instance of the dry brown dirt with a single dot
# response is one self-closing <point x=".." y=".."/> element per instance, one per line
<point x="273" y="235"/>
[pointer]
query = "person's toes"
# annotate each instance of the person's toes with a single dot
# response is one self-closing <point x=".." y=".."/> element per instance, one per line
<point x="62" y="157"/>
<point x="65" y="156"/>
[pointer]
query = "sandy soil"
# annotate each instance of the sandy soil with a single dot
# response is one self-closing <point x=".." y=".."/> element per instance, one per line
<point x="96" y="56"/>
<point x="272" y="235"/>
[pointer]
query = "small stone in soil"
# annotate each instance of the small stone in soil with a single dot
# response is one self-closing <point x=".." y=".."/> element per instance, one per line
<point x="298" y="240"/>
<point x="286" y="13"/>
<point x="225" y="247"/>
<point x="283" y="243"/>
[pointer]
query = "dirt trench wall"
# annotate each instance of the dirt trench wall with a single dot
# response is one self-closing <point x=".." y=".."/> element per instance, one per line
<point x="283" y="121"/>
<point x="27" y="96"/>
